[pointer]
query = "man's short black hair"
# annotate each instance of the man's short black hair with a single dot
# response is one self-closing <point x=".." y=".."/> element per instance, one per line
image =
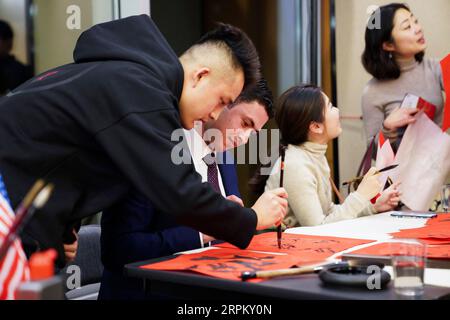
<point x="259" y="92"/>
<point x="242" y="48"/>
<point x="6" y="32"/>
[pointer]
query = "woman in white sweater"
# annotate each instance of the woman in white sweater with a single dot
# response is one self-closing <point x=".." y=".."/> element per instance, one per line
<point x="308" y="122"/>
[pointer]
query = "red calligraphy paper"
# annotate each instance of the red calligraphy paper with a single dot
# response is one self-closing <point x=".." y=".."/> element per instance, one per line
<point x="441" y="219"/>
<point x="424" y="233"/>
<point x="225" y="263"/>
<point x="438" y="251"/>
<point x="436" y="229"/>
<point x="306" y="248"/>
<point x="445" y="64"/>
<point x="441" y="251"/>
<point x="432" y="241"/>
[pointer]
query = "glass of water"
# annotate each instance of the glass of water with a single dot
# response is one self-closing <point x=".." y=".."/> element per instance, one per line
<point x="408" y="263"/>
<point x="445" y="197"/>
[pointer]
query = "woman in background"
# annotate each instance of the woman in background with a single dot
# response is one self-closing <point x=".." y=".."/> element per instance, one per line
<point x="394" y="56"/>
<point x="308" y="122"/>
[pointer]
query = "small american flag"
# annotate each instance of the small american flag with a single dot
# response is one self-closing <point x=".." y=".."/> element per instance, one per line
<point x="14" y="267"/>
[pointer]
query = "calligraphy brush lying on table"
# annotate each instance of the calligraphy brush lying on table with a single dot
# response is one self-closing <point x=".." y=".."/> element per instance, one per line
<point x="359" y="179"/>
<point x="315" y="268"/>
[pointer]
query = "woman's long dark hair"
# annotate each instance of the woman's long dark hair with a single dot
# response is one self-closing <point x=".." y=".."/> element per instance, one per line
<point x="378" y="62"/>
<point x="296" y="109"/>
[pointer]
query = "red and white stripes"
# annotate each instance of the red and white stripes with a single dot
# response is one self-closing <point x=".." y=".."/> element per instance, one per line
<point x="14" y="267"/>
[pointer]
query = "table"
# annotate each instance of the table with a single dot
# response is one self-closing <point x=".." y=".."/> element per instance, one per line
<point x="183" y="285"/>
<point x="377" y="228"/>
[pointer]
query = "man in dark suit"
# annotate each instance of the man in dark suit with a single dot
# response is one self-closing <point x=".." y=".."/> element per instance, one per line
<point x="133" y="230"/>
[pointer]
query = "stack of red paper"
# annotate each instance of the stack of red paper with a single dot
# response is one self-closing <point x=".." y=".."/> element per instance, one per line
<point x="436" y="234"/>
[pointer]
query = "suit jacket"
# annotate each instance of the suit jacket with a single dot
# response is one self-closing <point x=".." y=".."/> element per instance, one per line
<point x="132" y="230"/>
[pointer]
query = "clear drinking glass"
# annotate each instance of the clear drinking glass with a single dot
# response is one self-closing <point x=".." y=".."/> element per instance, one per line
<point x="408" y="263"/>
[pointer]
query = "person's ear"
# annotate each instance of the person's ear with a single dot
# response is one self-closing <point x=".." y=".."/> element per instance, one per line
<point x="317" y="128"/>
<point x="388" y="46"/>
<point x="199" y="75"/>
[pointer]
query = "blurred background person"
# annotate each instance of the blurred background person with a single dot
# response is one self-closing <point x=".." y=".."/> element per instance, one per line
<point x="12" y="72"/>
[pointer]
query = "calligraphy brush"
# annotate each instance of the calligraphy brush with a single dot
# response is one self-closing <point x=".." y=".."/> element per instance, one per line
<point x="359" y="179"/>
<point x="283" y="154"/>
<point x="35" y="199"/>
<point x="315" y="268"/>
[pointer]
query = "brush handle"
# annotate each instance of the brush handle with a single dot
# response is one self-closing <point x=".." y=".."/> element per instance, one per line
<point x="359" y="179"/>
<point x="277" y="273"/>
<point x="313" y="268"/>
<point x="279" y="231"/>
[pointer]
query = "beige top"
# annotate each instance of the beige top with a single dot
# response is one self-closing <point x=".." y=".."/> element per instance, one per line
<point x="381" y="97"/>
<point x="306" y="180"/>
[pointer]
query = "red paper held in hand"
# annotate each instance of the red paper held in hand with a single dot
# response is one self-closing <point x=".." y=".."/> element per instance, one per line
<point x="445" y="64"/>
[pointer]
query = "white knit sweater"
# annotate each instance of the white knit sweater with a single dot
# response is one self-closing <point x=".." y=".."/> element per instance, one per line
<point x="381" y="97"/>
<point x="306" y="180"/>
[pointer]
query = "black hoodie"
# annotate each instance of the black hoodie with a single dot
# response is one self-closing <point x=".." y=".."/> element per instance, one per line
<point x="101" y="125"/>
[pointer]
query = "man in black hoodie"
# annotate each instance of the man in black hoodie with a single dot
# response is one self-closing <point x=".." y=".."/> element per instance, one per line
<point x="103" y="124"/>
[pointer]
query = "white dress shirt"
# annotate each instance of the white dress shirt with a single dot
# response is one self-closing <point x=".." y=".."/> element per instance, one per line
<point x="199" y="150"/>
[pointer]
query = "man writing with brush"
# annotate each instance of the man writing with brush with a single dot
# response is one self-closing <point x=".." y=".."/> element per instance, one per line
<point x="101" y="126"/>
